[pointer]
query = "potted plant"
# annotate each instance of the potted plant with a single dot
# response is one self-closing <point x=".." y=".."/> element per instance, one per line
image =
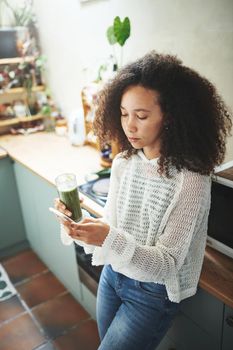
<point x="118" y="33"/>
<point x="15" y="37"/>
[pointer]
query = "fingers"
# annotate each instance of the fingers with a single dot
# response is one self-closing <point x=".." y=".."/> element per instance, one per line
<point x="83" y="228"/>
<point x="67" y="229"/>
<point x="56" y="203"/>
<point x="78" y="234"/>
<point x="66" y="225"/>
<point x="59" y="205"/>
<point x="87" y="220"/>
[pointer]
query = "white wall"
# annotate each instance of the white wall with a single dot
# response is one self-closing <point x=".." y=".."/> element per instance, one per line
<point x="73" y="38"/>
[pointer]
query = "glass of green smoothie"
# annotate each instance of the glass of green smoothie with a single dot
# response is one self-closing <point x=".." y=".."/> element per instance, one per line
<point x="68" y="193"/>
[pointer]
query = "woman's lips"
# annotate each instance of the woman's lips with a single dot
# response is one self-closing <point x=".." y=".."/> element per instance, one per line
<point x="133" y="139"/>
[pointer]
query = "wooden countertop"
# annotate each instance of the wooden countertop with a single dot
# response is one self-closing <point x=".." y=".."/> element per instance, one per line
<point x="217" y="275"/>
<point x="227" y="173"/>
<point x="48" y="155"/>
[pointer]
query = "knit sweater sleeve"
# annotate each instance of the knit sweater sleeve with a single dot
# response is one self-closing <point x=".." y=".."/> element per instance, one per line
<point x="166" y="257"/>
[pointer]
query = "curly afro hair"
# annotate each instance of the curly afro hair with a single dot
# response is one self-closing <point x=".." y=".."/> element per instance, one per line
<point x="196" y="120"/>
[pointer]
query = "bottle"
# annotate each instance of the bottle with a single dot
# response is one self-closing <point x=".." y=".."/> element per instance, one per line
<point x="76" y="127"/>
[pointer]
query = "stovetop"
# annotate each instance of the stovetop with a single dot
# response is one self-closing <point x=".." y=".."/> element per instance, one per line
<point x="87" y="189"/>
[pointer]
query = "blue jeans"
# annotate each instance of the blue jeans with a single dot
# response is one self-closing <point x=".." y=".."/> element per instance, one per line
<point x="132" y="315"/>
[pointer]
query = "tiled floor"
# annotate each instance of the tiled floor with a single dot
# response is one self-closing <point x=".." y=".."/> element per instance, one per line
<point x="44" y="315"/>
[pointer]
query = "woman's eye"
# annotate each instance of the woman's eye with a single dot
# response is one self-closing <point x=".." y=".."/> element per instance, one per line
<point x="124" y="115"/>
<point x="141" y="118"/>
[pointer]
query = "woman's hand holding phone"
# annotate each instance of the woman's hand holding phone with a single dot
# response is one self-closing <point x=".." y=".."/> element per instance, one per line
<point x="89" y="230"/>
<point x="60" y="206"/>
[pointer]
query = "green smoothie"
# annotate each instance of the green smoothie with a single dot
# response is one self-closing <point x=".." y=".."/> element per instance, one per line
<point x="68" y="192"/>
<point x="71" y="200"/>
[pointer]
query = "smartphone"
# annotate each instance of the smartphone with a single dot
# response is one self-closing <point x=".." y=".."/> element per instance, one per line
<point x="61" y="215"/>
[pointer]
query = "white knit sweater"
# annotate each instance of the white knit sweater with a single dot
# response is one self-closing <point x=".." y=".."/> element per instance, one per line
<point x="158" y="226"/>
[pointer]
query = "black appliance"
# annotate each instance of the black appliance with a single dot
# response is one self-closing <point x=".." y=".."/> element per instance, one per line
<point x="89" y="275"/>
<point x="220" y="222"/>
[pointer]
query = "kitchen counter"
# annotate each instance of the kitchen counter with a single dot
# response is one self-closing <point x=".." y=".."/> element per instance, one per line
<point x="48" y="155"/>
<point x="217" y="275"/>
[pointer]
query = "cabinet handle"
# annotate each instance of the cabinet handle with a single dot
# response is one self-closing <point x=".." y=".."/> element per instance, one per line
<point x="229" y="321"/>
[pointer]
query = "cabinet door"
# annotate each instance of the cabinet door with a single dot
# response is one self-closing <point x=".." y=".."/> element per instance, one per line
<point x="228" y="329"/>
<point x="187" y="335"/>
<point x="206" y="311"/>
<point x="167" y="344"/>
<point x="27" y="187"/>
<point x="11" y="220"/>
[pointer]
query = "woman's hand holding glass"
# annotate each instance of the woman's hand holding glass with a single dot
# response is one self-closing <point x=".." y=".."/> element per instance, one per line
<point x="59" y="205"/>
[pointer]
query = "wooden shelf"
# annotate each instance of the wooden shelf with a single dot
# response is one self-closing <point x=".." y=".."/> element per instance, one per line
<point x="15" y="121"/>
<point x="16" y="93"/>
<point x="16" y="60"/>
<point x="21" y="90"/>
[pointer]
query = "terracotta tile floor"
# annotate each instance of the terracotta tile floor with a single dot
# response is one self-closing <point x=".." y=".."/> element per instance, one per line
<point x="44" y="315"/>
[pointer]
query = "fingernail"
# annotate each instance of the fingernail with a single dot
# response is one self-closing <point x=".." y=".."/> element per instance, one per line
<point x="63" y="207"/>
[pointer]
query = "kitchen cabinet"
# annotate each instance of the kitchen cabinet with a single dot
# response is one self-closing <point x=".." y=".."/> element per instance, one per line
<point x="43" y="230"/>
<point x="167" y="344"/>
<point x="227" y="339"/>
<point x="206" y="311"/>
<point x="200" y="325"/>
<point x="12" y="230"/>
<point x="25" y="184"/>
<point x="187" y="335"/>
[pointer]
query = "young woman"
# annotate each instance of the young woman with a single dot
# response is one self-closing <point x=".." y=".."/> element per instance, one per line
<point x="171" y="126"/>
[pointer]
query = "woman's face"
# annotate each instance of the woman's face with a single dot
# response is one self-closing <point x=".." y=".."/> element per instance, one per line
<point x="141" y="119"/>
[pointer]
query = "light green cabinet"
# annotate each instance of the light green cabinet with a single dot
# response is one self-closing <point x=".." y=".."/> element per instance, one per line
<point x="25" y="184"/>
<point x="12" y="231"/>
<point x="43" y="230"/>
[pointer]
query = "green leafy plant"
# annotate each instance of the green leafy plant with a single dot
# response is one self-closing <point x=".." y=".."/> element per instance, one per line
<point x="118" y="33"/>
<point x="23" y="15"/>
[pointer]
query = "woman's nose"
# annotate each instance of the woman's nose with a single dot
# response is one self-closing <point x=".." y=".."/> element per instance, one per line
<point x="131" y="126"/>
